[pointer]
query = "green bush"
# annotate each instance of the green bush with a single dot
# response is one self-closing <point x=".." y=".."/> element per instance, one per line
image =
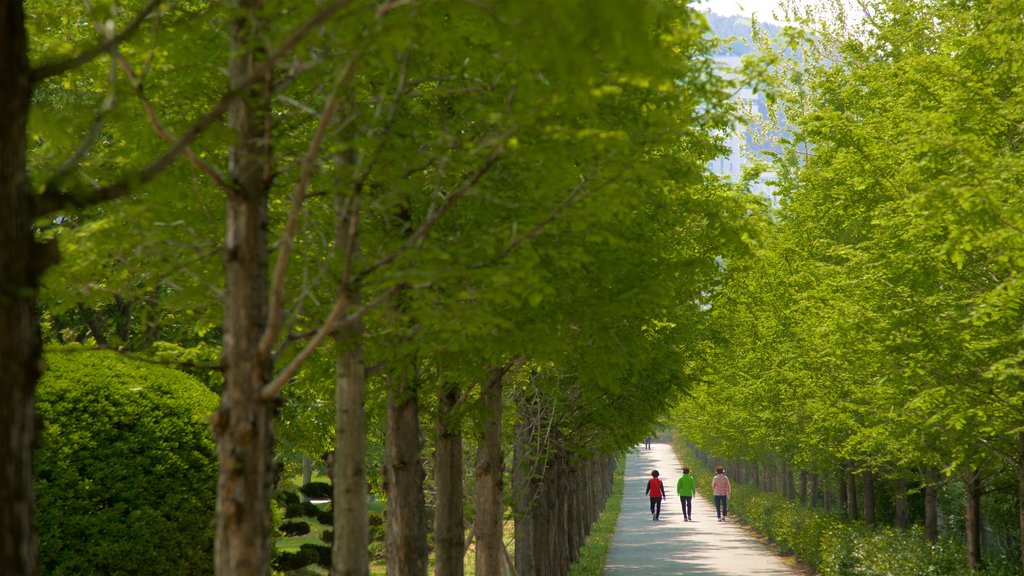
<point x="126" y="470"/>
<point x="839" y="548"/>
<point x="295" y="528"/>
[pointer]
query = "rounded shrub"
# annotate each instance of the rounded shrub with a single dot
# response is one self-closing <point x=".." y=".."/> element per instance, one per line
<point x="126" y="469"/>
<point x="294" y="528"/>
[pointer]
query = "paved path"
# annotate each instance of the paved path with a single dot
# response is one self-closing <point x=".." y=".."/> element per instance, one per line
<point x="670" y="546"/>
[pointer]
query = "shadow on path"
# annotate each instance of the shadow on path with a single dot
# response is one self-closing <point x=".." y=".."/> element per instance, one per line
<point x="670" y="546"/>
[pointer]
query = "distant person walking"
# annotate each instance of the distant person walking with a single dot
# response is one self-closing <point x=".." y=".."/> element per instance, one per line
<point x="656" y="491"/>
<point x="722" y="490"/>
<point x="686" y="487"/>
<point x="647" y="442"/>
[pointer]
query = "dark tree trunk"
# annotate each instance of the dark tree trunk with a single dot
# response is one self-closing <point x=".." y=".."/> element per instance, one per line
<point x="973" y="520"/>
<point x="814" y="490"/>
<point x="243" y="426"/>
<point x="931" y="505"/>
<point x="21" y="265"/>
<point x="406" y="511"/>
<point x="868" y="481"/>
<point x="803" y="487"/>
<point x="902" y="513"/>
<point x="1020" y="493"/>
<point x="562" y="532"/>
<point x="851" y="497"/>
<point x="574" y="533"/>
<point x="488" y="523"/>
<point x="844" y="495"/>
<point x="543" y="517"/>
<point x="449" y="525"/>
<point x="525" y="484"/>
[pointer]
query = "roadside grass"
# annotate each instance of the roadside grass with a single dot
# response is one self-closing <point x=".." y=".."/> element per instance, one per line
<point x="595" y="551"/>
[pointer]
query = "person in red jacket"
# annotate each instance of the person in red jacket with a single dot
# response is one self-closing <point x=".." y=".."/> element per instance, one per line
<point x="656" y="491"/>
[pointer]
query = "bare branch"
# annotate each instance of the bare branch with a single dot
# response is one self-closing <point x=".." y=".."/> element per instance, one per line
<point x="330" y="325"/>
<point x="299" y="197"/>
<point x="158" y="127"/>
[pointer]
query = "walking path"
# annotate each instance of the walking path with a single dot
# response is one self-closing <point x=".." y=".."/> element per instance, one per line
<point x="670" y="546"/>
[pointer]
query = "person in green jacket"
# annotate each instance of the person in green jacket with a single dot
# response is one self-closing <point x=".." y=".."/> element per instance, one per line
<point x="686" y="487"/>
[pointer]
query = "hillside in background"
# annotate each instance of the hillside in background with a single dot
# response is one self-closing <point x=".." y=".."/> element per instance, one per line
<point x="737" y="28"/>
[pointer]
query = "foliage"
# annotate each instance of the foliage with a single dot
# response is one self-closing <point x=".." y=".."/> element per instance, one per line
<point x="126" y="468"/>
<point x="879" y="313"/>
<point x="836" y="547"/>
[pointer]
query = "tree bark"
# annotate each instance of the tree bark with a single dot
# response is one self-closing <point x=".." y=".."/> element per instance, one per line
<point x="406" y="511"/>
<point x="902" y="514"/>
<point x="21" y="265"/>
<point x="243" y="426"/>
<point x="525" y="485"/>
<point x="489" y="479"/>
<point x="814" y="491"/>
<point x="851" y="496"/>
<point x="868" y="481"/>
<point x="973" y="520"/>
<point x="449" y="525"/>
<point x="931" y="505"/>
<point x="1020" y="493"/>
<point x="844" y="495"/>
<point x="350" y="553"/>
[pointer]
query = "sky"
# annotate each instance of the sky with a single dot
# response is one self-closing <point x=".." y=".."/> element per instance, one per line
<point x="763" y="8"/>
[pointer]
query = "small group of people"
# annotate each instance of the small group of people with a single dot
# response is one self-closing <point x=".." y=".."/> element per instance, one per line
<point x="686" y="488"/>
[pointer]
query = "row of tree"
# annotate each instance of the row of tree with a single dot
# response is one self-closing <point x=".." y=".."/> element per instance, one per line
<point x="876" y="335"/>
<point x="478" y="203"/>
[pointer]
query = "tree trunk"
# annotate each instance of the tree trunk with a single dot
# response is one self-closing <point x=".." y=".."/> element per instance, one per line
<point x="20" y="268"/>
<point x="489" y="479"/>
<point x="307" y="475"/>
<point x="851" y="498"/>
<point x="574" y="533"/>
<point x="803" y="487"/>
<point x="868" y="480"/>
<point x="406" y="511"/>
<point x="902" y="513"/>
<point x="814" y="490"/>
<point x="449" y="525"/>
<point x="243" y="426"/>
<point x="844" y="495"/>
<point x="350" y="552"/>
<point x="1020" y="493"/>
<point x="931" y="505"/>
<point x="525" y="484"/>
<point x="562" y="504"/>
<point x="973" y="520"/>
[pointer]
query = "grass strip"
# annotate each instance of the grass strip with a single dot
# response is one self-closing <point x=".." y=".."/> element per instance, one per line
<point x="595" y="550"/>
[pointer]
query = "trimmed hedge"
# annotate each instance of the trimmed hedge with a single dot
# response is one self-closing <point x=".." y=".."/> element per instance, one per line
<point x="836" y="547"/>
<point x="126" y="470"/>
